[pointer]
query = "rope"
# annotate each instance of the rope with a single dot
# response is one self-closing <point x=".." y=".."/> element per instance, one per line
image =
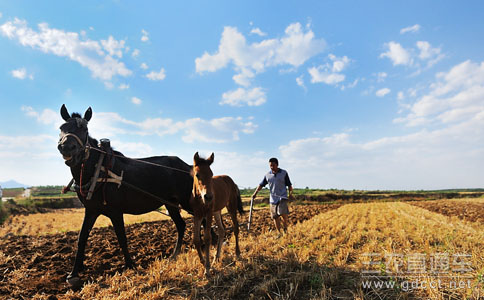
<point x="163" y="201"/>
<point x="80" y="188"/>
<point x="138" y="160"/>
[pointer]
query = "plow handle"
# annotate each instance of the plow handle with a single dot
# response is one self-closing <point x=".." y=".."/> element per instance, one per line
<point x="250" y="213"/>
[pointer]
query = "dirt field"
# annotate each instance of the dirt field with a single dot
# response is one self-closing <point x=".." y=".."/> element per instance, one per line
<point x="38" y="265"/>
<point x="466" y="209"/>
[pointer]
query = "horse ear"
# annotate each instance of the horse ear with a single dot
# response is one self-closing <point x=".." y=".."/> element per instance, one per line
<point x="196" y="158"/>
<point x="88" y="114"/>
<point x="211" y="158"/>
<point x="64" y="114"/>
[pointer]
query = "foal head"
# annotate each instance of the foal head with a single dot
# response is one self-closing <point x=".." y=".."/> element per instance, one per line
<point x="202" y="177"/>
<point x="74" y="136"/>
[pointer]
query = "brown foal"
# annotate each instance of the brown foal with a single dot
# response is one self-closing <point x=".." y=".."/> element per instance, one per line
<point x="210" y="195"/>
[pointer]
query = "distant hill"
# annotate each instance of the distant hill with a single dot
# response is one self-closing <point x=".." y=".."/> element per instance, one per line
<point x="12" y="184"/>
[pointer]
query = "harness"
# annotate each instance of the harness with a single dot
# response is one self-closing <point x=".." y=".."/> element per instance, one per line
<point x="109" y="176"/>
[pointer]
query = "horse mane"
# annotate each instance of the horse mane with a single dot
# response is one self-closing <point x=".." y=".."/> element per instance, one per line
<point x="93" y="142"/>
<point x="76" y="115"/>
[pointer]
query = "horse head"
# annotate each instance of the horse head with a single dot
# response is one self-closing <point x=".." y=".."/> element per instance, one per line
<point x="202" y="177"/>
<point x="74" y="136"/>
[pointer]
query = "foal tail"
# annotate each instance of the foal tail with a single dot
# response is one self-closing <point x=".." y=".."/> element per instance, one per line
<point x="239" y="199"/>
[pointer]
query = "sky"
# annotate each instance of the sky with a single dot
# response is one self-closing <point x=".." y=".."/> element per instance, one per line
<point x="369" y="95"/>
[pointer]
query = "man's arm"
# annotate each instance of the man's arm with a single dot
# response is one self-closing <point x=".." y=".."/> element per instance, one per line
<point x="256" y="191"/>
<point x="289" y="185"/>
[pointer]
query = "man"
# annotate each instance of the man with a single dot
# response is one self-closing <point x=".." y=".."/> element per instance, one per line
<point x="277" y="179"/>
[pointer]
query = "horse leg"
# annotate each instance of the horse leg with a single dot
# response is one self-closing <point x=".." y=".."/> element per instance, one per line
<point x="196" y="237"/>
<point x="207" y="238"/>
<point x="180" y="228"/>
<point x="214" y="235"/>
<point x="87" y="224"/>
<point x="118" y="223"/>
<point x="220" y="233"/>
<point x="235" y="222"/>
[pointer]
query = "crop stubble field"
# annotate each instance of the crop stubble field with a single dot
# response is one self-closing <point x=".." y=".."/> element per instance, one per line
<point x="325" y="255"/>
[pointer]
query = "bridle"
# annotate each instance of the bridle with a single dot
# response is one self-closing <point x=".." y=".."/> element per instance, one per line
<point x="84" y="145"/>
<point x="64" y="137"/>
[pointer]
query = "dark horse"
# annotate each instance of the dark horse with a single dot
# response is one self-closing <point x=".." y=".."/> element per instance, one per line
<point x="210" y="195"/>
<point x="146" y="184"/>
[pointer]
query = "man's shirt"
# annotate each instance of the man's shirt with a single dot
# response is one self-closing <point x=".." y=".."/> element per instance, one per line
<point x="277" y="185"/>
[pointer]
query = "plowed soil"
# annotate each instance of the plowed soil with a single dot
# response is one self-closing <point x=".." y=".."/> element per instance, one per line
<point x="38" y="265"/>
<point x="469" y="211"/>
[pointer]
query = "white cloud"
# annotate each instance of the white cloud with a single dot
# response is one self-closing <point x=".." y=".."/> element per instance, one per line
<point x="136" y="100"/>
<point x="156" y="75"/>
<point x="109" y="85"/>
<point x="219" y="130"/>
<point x="20" y="153"/>
<point x="87" y="53"/>
<point x="381" y="76"/>
<point x="47" y="116"/>
<point x="144" y="37"/>
<point x="457" y="95"/>
<point x="21" y="74"/>
<point x="339" y="63"/>
<point x="123" y="86"/>
<point x="397" y="54"/>
<point x="21" y="143"/>
<point x="241" y="96"/>
<point x="427" y="52"/>
<point x="20" y="156"/>
<point x="258" y="32"/>
<point x="244" y="77"/>
<point x="113" y="47"/>
<point x="319" y="75"/>
<point x="329" y="73"/>
<point x="135" y="53"/>
<point x="414" y="28"/>
<point x="382" y="92"/>
<point x="294" y="49"/>
<point x="144" y="66"/>
<point x="350" y="85"/>
<point x="134" y="149"/>
<point x="424" y="52"/>
<point x="426" y="159"/>
<point x="241" y="167"/>
<point x="1" y="15"/>
<point x="300" y="82"/>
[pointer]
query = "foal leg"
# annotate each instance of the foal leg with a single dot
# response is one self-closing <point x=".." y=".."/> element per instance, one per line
<point x="207" y="238"/>
<point x="196" y="237"/>
<point x="180" y="228"/>
<point x="89" y="220"/>
<point x="235" y="222"/>
<point x="220" y="233"/>
<point x="118" y="223"/>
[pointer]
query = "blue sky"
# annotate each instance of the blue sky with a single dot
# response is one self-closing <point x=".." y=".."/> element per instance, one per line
<point x="351" y="95"/>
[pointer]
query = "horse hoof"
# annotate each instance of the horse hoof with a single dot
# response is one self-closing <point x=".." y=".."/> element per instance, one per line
<point x="130" y="266"/>
<point x="74" y="282"/>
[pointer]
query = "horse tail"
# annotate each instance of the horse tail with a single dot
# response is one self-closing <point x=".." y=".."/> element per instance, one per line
<point x="239" y="201"/>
